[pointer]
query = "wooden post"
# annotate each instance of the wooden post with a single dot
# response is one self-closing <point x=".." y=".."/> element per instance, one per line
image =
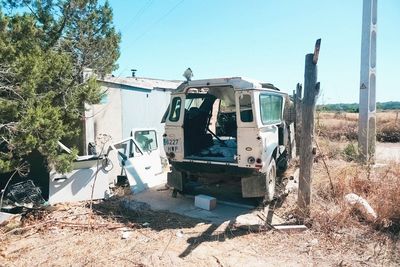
<point x="297" y="125"/>
<point x="311" y="90"/>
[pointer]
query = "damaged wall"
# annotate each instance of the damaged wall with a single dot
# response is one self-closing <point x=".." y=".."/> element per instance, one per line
<point x="144" y="110"/>
<point x="107" y="119"/>
<point x="128" y="103"/>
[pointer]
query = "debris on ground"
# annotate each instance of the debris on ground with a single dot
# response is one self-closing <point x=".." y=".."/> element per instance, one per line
<point x="135" y="205"/>
<point x="118" y="236"/>
<point x="362" y="205"/>
<point x="205" y="202"/>
<point x="23" y="194"/>
<point x="9" y="220"/>
<point x="291" y="228"/>
<point x="126" y="235"/>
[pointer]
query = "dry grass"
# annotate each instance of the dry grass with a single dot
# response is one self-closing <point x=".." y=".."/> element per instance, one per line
<point x="379" y="186"/>
<point x="339" y="126"/>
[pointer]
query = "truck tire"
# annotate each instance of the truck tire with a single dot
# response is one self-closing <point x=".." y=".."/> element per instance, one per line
<point x="282" y="163"/>
<point x="270" y="181"/>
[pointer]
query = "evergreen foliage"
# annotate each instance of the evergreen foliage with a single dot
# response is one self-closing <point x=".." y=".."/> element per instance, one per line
<point x="45" y="47"/>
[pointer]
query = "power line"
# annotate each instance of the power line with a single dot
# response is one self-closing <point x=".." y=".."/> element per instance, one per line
<point x="152" y="26"/>
<point x="138" y="14"/>
<point x="158" y="21"/>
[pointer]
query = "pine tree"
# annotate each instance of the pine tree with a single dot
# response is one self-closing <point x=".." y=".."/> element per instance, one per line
<point x="45" y="46"/>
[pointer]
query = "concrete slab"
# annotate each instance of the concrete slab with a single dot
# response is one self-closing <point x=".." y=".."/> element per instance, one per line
<point x="387" y="152"/>
<point x="225" y="213"/>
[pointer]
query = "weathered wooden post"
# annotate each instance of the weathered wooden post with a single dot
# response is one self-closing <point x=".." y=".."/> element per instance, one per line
<point x="311" y="90"/>
<point x="297" y="106"/>
<point x="367" y="106"/>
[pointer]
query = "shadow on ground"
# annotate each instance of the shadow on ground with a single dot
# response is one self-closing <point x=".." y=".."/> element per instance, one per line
<point x="162" y="220"/>
<point x="156" y="220"/>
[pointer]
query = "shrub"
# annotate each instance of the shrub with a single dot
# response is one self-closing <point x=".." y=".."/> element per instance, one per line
<point x="350" y="152"/>
<point x="388" y="132"/>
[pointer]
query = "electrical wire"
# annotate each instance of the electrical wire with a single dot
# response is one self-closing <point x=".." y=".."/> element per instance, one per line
<point x="158" y="21"/>
<point x="138" y="14"/>
<point x="151" y="27"/>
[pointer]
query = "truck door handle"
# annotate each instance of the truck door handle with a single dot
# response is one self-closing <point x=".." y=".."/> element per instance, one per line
<point x="60" y="178"/>
<point x="148" y="167"/>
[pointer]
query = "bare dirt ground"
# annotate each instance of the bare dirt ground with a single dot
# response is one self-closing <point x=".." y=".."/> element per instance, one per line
<point x="73" y="235"/>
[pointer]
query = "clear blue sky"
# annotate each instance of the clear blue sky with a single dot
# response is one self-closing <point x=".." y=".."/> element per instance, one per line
<point x="266" y="40"/>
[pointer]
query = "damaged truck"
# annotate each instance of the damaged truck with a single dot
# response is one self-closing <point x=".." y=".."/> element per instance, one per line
<point x="231" y="128"/>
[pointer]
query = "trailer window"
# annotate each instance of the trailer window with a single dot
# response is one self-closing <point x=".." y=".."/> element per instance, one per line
<point x="271" y="108"/>
<point x="175" y="109"/>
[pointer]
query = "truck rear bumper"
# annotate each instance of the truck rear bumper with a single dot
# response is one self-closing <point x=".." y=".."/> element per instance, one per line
<point x="252" y="183"/>
<point x="213" y="170"/>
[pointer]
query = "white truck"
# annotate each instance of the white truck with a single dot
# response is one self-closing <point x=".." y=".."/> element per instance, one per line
<point x="230" y="128"/>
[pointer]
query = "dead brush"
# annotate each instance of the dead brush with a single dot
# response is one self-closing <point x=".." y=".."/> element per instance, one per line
<point x="388" y="132"/>
<point x="384" y="196"/>
<point x="339" y="126"/>
<point x="380" y="187"/>
<point x="328" y="149"/>
<point x="338" y="130"/>
<point x="329" y="217"/>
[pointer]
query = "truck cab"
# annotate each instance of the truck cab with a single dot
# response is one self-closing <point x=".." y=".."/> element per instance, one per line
<point x="228" y="128"/>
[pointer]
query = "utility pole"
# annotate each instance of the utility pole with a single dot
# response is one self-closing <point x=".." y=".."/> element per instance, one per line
<point x="311" y="91"/>
<point x="367" y="105"/>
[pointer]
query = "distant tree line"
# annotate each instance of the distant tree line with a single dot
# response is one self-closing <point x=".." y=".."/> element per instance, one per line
<point x="353" y="107"/>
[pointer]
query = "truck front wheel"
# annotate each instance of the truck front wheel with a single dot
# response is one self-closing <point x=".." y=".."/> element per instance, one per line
<point x="270" y="181"/>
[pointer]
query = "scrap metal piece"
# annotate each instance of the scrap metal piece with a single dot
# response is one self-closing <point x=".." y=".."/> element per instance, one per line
<point x="25" y="194"/>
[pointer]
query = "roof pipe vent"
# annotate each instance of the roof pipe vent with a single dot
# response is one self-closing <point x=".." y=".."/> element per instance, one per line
<point x="133" y="72"/>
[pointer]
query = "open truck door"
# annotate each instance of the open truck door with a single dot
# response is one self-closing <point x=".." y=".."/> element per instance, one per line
<point x="139" y="156"/>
